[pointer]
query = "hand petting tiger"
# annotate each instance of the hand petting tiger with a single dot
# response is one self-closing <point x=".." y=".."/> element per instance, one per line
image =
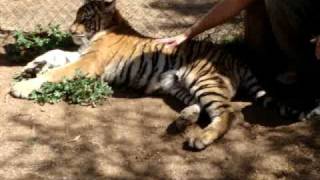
<point x="203" y="76"/>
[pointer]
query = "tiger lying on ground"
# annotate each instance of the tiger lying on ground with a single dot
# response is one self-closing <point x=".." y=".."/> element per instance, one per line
<point x="200" y="74"/>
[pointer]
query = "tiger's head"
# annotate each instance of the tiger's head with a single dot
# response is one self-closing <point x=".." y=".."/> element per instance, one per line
<point x="92" y="17"/>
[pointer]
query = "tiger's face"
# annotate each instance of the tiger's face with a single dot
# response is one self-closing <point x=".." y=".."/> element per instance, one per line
<point x="91" y="18"/>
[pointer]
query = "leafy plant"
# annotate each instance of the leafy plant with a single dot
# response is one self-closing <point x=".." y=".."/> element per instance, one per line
<point x="29" y="45"/>
<point x="80" y="90"/>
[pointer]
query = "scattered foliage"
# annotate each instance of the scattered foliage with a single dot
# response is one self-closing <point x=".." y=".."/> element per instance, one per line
<point x="30" y="45"/>
<point x="81" y="90"/>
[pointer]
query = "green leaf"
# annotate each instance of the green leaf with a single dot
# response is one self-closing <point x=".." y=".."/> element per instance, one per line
<point x="80" y="90"/>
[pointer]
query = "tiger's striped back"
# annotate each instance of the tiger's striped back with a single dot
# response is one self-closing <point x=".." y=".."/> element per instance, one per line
<point x="208" y="72"/>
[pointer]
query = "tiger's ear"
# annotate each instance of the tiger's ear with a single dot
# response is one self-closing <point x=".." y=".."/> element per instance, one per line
<point x="238" y="106"/>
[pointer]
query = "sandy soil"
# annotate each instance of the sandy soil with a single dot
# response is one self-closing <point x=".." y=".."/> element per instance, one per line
<point x="127" y="139"/>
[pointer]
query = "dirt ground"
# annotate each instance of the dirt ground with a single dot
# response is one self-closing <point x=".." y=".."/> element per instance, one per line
<point x="127" y="139"/>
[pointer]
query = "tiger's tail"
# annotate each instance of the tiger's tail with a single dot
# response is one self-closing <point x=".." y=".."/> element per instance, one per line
<point x="261" y="96"/>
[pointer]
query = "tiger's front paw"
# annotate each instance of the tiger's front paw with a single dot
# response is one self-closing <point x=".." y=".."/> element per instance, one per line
<point x="33" y="68"/>
<point x="24" y="88"/>
<point x="51" y="59"/>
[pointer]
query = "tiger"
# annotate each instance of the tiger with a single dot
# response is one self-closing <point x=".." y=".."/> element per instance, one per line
<point x="202" y="75"/>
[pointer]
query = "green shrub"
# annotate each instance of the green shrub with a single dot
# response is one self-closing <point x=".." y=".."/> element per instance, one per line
<point x="30" y="45"/>
<point x="81" y="90"/>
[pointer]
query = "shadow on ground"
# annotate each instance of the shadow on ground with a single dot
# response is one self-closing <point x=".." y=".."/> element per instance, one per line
<point x="127" y="139"/>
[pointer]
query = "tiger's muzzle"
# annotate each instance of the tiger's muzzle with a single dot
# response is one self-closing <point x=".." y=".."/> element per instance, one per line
<point x="79" y="34"/>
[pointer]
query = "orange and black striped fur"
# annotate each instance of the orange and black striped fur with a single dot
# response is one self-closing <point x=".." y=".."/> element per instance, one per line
<point x="202" y="75"/>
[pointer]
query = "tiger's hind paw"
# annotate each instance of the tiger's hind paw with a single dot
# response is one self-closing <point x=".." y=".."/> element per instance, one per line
<point x="202" y="141"/>
<point x="191" y="112"/>
<point x="196" y="144"/>
<point x="188" y="116"/>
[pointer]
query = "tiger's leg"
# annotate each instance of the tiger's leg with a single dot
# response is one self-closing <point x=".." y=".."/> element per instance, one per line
<point x="51" y="59"/>
<point x="170" y="83"/>
<point x="86" y="65"/>
<point x="220" y="120"/>
<point x="222" y="114"/>
<point x="189" y="115"/>
<point x="213" y="94"/>
<point x="213" y="131"/>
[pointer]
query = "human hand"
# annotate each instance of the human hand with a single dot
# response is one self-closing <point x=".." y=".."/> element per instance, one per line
<point x="173" y="41"/>
<point x="316" y="41"/>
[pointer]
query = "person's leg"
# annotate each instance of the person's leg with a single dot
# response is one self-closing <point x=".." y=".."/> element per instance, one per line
<point x="288" y="23"/>
<point x="258" y="32"/>
<point x="293" y="25"/>
<point x="266" y="59"/>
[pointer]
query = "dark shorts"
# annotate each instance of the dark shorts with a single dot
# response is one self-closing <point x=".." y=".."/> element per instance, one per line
<point x="279" y="32"/>
<point x="294" y="23"/>
<point x="290" y="24"/>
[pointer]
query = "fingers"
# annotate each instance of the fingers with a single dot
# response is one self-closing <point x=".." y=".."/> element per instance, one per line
<point x="168" y="42"/>
<point x="171" y="44"/>
<point x="165" y="40"/>
<point x="172" y="41"/>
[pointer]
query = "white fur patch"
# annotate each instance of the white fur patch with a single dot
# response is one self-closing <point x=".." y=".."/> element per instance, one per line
<point x="52" y="59"/>
<point x="56" y="58"/>
<point x="168" y="80"/>
<point x="260" y="94"/>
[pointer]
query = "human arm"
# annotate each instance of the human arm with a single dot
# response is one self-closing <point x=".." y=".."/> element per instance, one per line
<point x="220" y="13"/>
